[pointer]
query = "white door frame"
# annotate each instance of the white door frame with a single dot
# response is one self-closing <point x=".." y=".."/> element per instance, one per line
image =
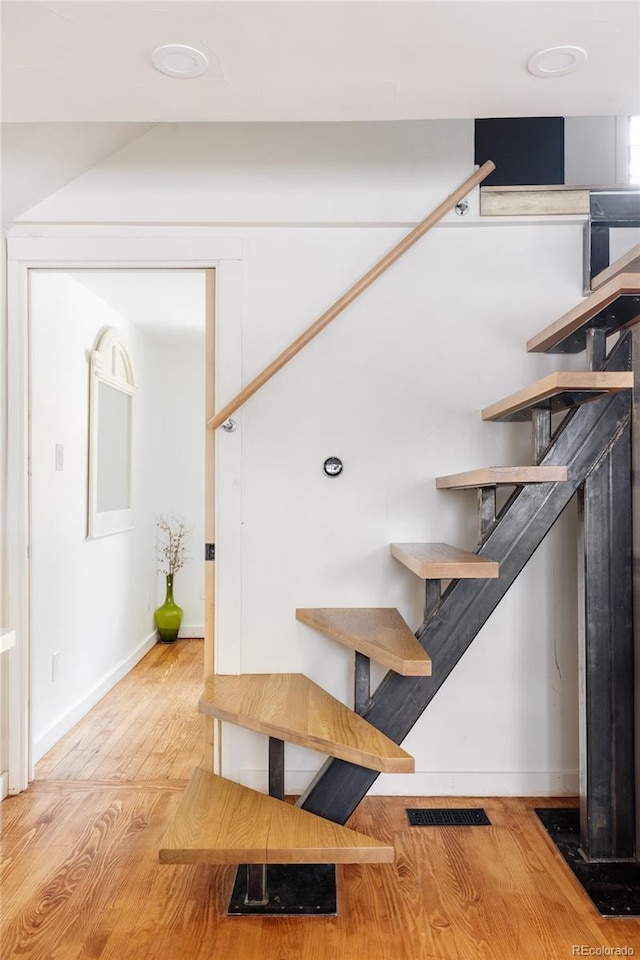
<point x="69" y="248"/>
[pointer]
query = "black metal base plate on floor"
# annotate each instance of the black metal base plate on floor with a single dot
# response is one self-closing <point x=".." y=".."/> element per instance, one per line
<point x="295" y="890"/>
<point x="614" y="887"/>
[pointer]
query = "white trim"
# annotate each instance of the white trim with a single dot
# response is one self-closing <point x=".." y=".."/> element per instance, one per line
<point x="228" y="476"/>
<point x="54" y="250"/>
<point x="191" y="631"/>
<point x="4" y="784"/>
<point x="81" y="707"/>
<point x="479" y="783"/>
<point x="449" y="783"/>
<point x="17" y="530"/>
<point x="113" y="247"/>
<point x="472" y="219"/>
<point x="7" y="639"/>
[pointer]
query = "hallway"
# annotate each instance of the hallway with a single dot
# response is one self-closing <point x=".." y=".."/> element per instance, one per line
<point x="146" y="728"/>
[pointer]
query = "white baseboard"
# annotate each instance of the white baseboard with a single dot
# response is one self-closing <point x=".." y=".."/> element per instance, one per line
<point x="73" y="714"/>
<point x="508" y="783"/>
<point x="479" y="783"/>
<point x="190" y="631"/>
<point x="4" y="785"/>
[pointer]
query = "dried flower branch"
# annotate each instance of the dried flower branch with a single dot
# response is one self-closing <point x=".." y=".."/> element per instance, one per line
<point x="170" y="544"/>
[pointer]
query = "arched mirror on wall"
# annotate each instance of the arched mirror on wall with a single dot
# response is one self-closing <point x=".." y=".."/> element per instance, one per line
<point x="112" y="390"/>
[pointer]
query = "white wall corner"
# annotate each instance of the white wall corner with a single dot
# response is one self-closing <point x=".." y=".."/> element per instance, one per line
<point x="4" y="785"/>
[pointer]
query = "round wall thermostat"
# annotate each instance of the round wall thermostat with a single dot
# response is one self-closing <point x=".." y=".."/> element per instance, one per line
<point x="332" y="467"/>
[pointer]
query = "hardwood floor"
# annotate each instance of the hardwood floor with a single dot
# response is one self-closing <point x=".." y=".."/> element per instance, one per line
<point x="80" y="878"/>
<point x="147" y="728"/>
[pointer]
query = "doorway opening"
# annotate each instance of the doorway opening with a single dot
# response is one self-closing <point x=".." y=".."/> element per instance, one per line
<point x="93" y="597"/>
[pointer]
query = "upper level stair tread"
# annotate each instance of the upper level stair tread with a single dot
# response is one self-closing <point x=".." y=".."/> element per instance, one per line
<point x="219" y="821"/>
<point x="628" y="263"/>
<point x="439" y="561"/>
<point x="293" y="708"/>
<point x="498" y="476"/>
<point x="559" y="391"/>
<point x="379" y="633"/>
<point x="614" y="305"/>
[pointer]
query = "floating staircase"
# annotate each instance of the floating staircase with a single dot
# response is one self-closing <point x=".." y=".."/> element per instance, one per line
<point x="222" y="822"/>
<point x="598" y="405"/>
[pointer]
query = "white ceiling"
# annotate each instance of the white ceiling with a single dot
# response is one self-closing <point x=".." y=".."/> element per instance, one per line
<point x="80" y="60"/>
<point x="166" y="304"/>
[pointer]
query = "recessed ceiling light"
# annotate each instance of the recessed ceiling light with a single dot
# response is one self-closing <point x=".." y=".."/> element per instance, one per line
<point x="178" y="60"/>
<point x="556" y="61"/>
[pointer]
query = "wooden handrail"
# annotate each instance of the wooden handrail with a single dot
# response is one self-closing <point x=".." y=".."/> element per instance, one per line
<point x="351" y="294"/>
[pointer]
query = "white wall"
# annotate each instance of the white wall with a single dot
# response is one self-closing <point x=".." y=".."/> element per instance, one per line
<point x="177" y="485"/>
<point x="272" y="173"/>
<point x="93" y="600"/>
<point x="394" y="388"/>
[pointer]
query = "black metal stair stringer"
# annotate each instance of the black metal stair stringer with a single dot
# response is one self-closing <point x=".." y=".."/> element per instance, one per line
<point x="397" y="704"/>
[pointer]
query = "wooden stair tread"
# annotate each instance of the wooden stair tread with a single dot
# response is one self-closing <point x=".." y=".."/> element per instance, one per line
<point x="628" y="263"/>
<point x="559" y="391"/>
<point x="379" y="633"/>
<point x="293" y="708"/>
<point x="568" y="333"/>
<point x="219" y="821"/>
<point x="439" y="561"/>
<point x="498" y="476"/>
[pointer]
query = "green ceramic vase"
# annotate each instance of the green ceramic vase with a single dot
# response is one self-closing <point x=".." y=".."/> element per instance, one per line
<point x="169" y="616"/>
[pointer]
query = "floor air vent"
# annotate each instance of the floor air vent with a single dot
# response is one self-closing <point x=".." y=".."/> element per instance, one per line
<point x="465" y="817"/>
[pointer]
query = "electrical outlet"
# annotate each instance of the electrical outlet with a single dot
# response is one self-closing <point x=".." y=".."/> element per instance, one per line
<point x="55" y="666"/>
<point x="59" y="456"/>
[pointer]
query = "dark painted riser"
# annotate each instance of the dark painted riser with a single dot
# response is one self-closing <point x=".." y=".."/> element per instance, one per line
<point x="399" y="702"/>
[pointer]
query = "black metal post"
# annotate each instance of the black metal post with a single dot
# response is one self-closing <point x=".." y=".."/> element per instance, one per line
<point x="256" y="884"/>
<point x="289" y="889"/>
<point x="276" y="768"/>
<point x="257" y="892"/>
<point x="607" y="788"/>
<point x="541" y="425"/>
<point x="486" y="511"/>
<point x="362" y="682"/>
<point x="599" y="254"/>
<point x="432" y="597"/>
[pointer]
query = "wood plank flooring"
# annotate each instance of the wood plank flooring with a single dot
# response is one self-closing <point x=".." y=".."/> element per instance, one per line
<point x="80" y="878"/>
